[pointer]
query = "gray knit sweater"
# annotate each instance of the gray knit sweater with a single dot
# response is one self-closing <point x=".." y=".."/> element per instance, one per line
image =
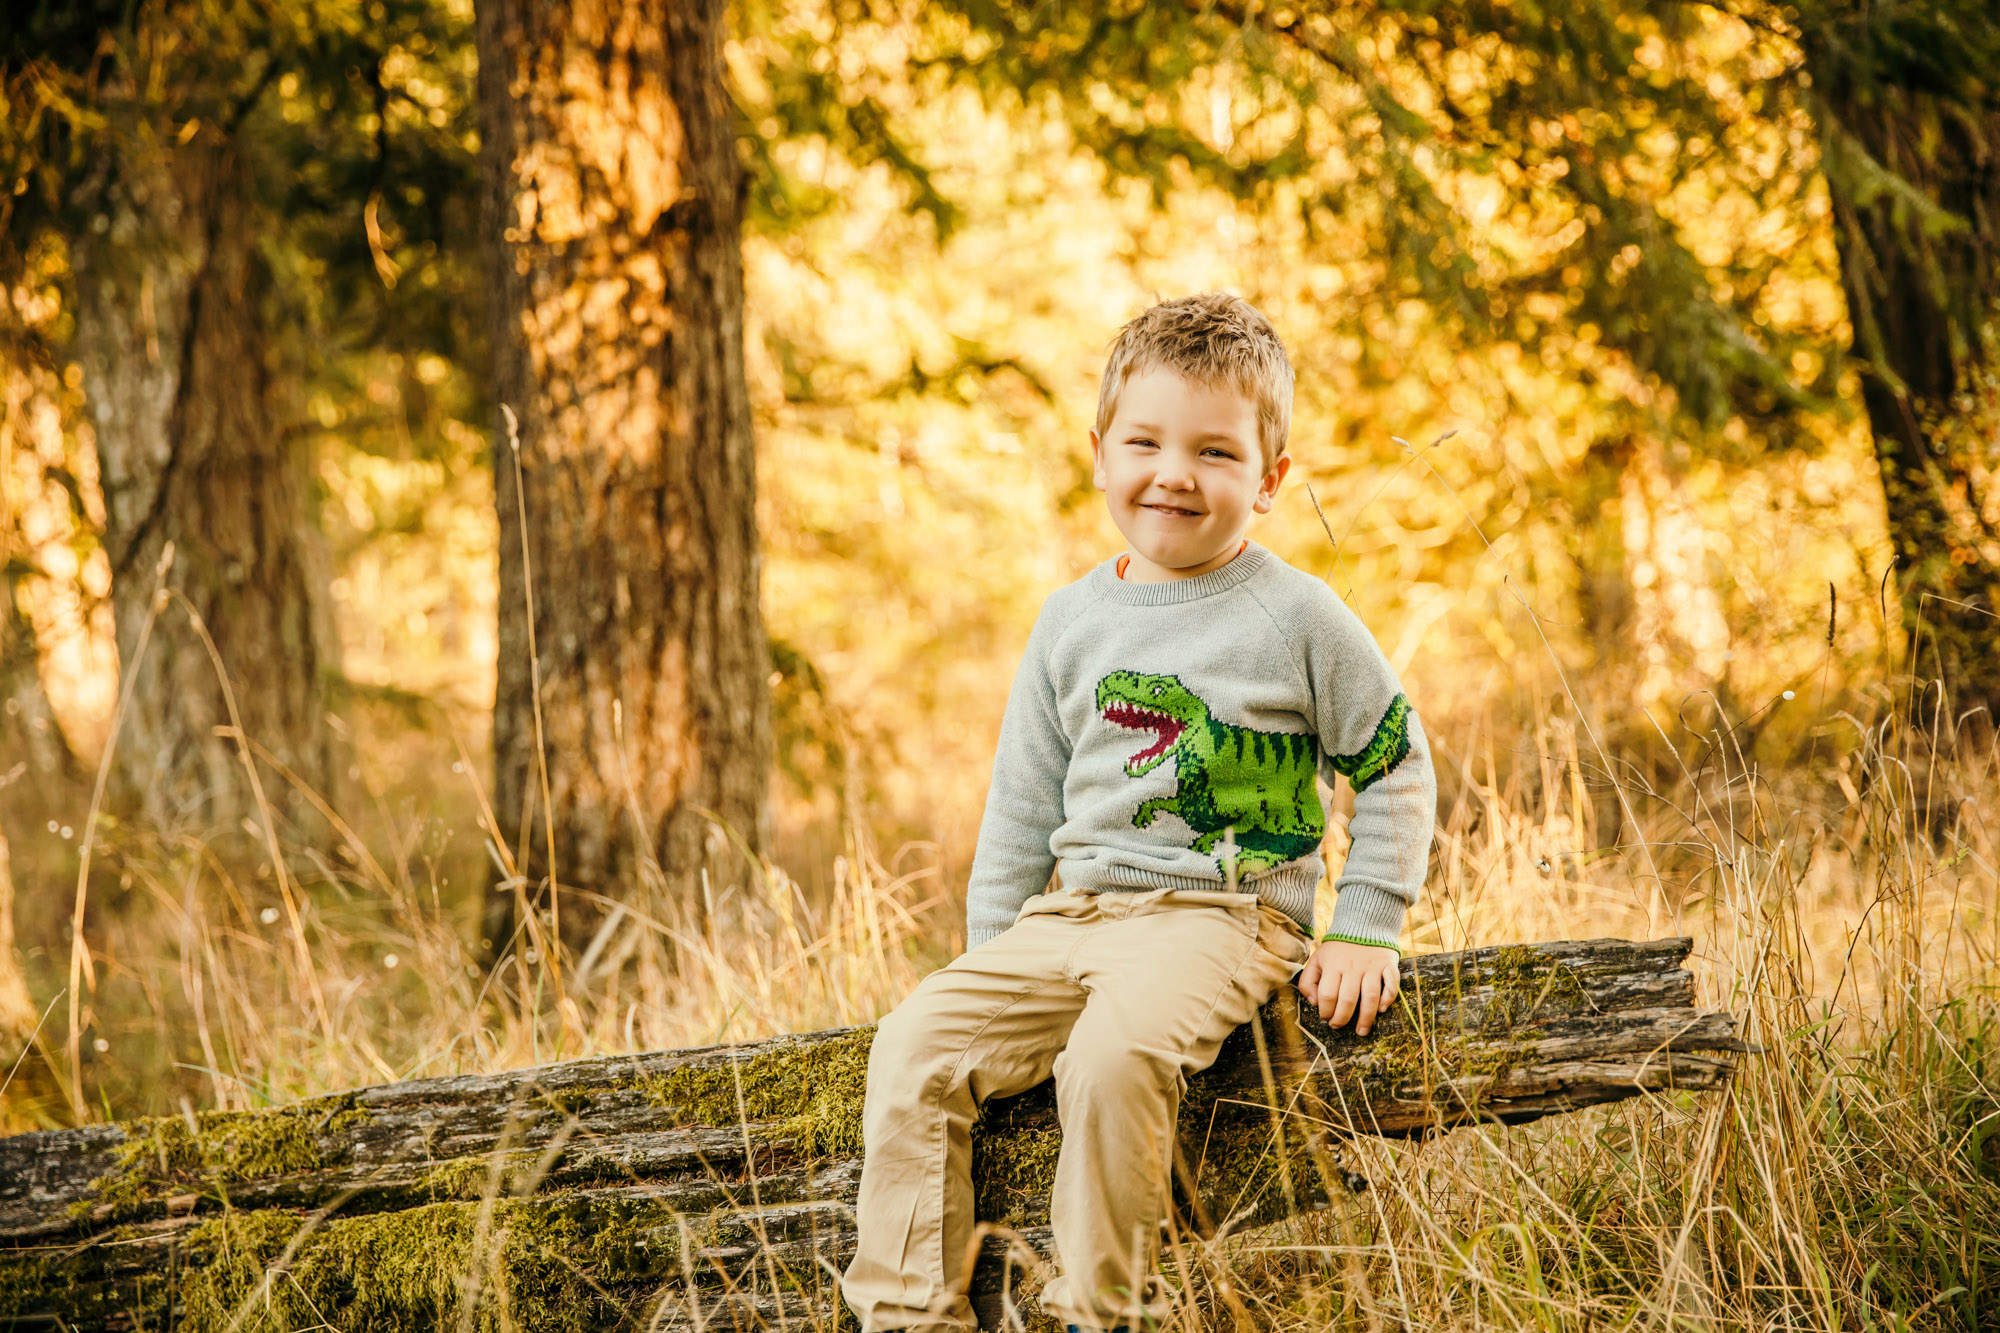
<point x="1153" y="727"/>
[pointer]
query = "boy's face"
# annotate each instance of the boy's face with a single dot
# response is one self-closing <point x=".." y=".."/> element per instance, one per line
<point x="1182" y="470"/>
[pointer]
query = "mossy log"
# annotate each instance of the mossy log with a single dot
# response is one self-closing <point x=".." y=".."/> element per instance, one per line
<point x="713" y="1188"/>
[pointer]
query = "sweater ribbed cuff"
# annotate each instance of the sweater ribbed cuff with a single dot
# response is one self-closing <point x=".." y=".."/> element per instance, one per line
<point x="1346" y="939"/>
<point x="1366" y="914"/>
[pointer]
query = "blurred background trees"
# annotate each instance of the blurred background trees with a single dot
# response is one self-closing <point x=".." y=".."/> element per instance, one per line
<point x="800" y="308"/>
<point x="1907" y="102"/>
<point x="1619" y="131"/>
<point x="209" y="195"/>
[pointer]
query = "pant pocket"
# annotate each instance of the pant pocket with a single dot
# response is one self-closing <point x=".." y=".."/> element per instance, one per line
<point x="1282" y="937"/>
<point x="1058" y="902"/>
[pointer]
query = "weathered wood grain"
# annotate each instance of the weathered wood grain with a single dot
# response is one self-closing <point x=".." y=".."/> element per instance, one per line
<point x="628" y="1190"/>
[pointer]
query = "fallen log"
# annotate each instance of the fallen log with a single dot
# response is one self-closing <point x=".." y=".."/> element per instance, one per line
<point x="713" y="1188"/>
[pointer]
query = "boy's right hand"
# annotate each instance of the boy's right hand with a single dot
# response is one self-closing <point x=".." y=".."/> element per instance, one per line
<point x="1356" y="981"/>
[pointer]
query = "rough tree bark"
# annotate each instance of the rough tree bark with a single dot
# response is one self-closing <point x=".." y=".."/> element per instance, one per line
<point x="613" y="210"/>
<point x="1913" y="166"/>
<point x="167" y="316"/>
<point x="714" y="1188"/>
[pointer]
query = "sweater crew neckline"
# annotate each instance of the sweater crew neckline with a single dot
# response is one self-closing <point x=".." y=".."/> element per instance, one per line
<point x="1175" y="591"/>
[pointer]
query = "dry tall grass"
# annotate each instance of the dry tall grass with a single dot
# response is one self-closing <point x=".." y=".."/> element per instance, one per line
<point x="1843" y="907"/>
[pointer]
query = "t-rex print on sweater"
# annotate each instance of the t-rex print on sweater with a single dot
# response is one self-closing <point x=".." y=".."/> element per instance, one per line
<point x="1257" y="783"/>
<point x="1255" y="786"/>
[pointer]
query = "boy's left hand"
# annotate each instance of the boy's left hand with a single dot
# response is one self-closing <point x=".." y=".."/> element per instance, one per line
<point x="1345" y="980"/>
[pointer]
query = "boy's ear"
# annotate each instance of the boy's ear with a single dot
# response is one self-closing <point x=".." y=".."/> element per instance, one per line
<point x="1267" y="490"/>
<point x="1097" y="477"/>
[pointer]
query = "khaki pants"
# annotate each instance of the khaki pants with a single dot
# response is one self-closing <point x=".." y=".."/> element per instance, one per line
<point x="1122" y="996"/>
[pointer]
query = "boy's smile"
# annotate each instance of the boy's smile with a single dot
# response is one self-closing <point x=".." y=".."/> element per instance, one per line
<point x="1182" y="470"/>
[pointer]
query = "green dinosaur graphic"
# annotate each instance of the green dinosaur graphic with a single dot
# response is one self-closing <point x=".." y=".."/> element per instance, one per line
<point x="1385" y="749"/>
<point x="1259" y="782"/>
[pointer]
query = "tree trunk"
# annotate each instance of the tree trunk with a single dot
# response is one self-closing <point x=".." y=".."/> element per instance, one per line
<point x="613" y="207"/>
<point x="714" y="1188"/>
<point x="17" y="1008"/>
<point x="1596" y="538"/>
<point x="1921" y="291"/>
<point x="38" y="772"/>
<point x="34" y="764"/>
<point x="33" y="748"/>
<point x="168" y="325"/>
<point x="32" y="745"/>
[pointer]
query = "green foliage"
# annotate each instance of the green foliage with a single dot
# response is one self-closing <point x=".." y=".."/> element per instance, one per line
<point x="1431" y="126"/>
<point x="795" y="90"/>
<point x="349" y="129"/>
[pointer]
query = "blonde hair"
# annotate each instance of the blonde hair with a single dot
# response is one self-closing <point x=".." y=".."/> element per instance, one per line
<point x="1214" y="339"/>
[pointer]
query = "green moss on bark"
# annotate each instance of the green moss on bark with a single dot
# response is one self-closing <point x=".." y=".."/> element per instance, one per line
<point x="471" y="1177"/>
<point x="26" y="1281"/>
<point x="1439" y="1035"/>
<point x="1526" y="985"/>
<point x="63" y="1279"/>
<point x="813" y="1093"/>
<point x="417" y="1268"/>
<point x="166" y="1156"/>
<point x="540" y="1266"/>
<point x="1013" y="1172"/>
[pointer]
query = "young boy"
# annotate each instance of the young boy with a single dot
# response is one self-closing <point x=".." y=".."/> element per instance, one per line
<point x="1173" y="705"/>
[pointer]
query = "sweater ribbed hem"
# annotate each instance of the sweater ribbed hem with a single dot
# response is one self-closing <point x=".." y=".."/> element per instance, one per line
<point x="1106" y="583"/>
<point x="1288" y="888"/>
